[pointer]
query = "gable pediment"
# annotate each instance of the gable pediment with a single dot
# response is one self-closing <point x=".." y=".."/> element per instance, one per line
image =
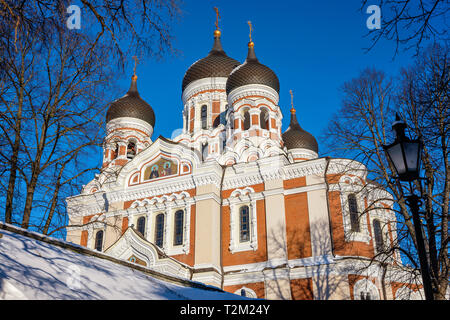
<point x="132" y="245"/>
<point x="162" y="160"/>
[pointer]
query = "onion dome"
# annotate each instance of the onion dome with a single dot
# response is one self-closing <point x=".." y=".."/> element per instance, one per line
<point x="131" y="105"/>
<point x="252" y="72"/>
<point x="215" y="64"/>
<point x="295" y="137"/>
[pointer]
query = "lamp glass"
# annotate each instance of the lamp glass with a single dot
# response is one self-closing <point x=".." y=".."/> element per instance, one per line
<point x="396" y="155"/>
<point x="412" y="156"/>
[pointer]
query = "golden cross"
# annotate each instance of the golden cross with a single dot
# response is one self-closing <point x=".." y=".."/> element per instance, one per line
<point x="292" y="99"/>
<point x="251" y="28"/>
<point x="217" y="17"/>
<point x="135" y="64"/>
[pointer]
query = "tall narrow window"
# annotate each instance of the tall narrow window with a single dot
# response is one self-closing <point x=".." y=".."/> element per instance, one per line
<point x="178" y="234"/>
<point x="204" y="151"/>
<point x="365" y="295"/>
<point x="99" y="240"/>
<point x="246" y="120"/>
<point x="264" y="119"/>
<point x="141" y="225"/>
<point x="353" y="209"/>
<point x="244" y="224"/>
<point x="116" y="151"/>
<point x="204" y="116"/>
<point x="159" y="230"/>
<point x="131" y="150"/>
<point x="224" y="143"/>
<point x="378" y="235"/>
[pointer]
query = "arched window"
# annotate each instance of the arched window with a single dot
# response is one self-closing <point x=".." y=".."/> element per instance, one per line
<point x="353" y="209"/>
<point x="178" y="233"/>
<point x="204" y="116"/>
<point x="244" y="225"/>
<point x="141" y="225"/>
<point x="246" y="120"/>
<point x="99" y="240"/>
<point x="364" y="289"/>
<point x="378" y="235"/>
<point x="131" y="149"/>
<point x="365" y="295"/>
<point x="264" y="119"/>
<point x="224" y="143"/>
<point x="204" y="151"/>
<point x="116" y="150"/>
<point x="159" y="230"/>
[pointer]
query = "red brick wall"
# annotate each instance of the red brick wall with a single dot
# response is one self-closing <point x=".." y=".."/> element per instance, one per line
<point x="298" y="234"/>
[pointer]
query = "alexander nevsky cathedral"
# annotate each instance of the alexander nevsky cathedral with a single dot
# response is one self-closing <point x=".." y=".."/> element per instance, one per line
<point x="233" y="201"/>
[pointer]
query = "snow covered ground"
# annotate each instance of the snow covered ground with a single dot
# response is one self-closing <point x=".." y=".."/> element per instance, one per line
<point x="33" y="269"/>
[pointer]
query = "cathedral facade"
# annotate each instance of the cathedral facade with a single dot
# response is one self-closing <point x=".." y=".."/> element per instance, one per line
<point x="233" y="201"/>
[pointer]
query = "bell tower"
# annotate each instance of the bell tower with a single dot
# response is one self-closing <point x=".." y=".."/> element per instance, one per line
<point x="254" y="129"/>
<point x="129" y="126"/>
<point x="205" y="101"/>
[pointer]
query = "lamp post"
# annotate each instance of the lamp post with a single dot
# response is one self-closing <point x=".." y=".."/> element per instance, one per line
<point x="405" y="156"/>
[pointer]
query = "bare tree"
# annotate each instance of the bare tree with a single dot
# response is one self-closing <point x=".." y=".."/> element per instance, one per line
<point x="363" y="125"/>
<point x="411" y="22"/>
<point x="54" y="85"/>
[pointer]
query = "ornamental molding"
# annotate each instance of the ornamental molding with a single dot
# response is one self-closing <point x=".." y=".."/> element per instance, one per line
<point x="159" y="200"/>
<point x="151" y="190"/>
<point x="205" y="84"/>
<point x="269" y="168"/>
<point x="128" y="122"/>
<point x="301" y="153"/>
<point x="253" y="90"/>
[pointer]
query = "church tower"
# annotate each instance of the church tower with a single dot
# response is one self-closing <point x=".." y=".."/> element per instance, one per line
<point x="129" y="127"/>
<point x="205" y="102"/>
<point x="254" y="129"/>
<point x="300" y="144"/>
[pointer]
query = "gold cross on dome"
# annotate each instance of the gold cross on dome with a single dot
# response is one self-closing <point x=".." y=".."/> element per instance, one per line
<point x="217" y="17"/>
<point x="292" y="100"/>
<point x="251" y="28"/>
<point x="136" y="61"/>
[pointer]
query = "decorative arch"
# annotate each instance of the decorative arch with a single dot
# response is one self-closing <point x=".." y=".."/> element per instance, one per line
<point x="264" y="118"/>
<point x="246" y="118"/>
<point x="242" y="192"/>
<point x="365" y="289"/>
<point x="246" y="292"/>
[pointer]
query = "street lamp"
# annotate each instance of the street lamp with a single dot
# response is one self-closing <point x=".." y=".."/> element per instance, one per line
<point x="405" y="156"/>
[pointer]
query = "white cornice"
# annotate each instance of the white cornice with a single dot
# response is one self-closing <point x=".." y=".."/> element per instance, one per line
<point x="127" y="122"/>
<point x="253" y="90"/>
<point x="214" y="83"/>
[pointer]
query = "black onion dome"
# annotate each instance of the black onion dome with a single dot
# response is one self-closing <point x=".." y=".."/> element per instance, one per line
<point x="131" y="105"/>
<point x="295" y="137"/>
<point x="215" y="64"/>
<point x="252" y="72"/>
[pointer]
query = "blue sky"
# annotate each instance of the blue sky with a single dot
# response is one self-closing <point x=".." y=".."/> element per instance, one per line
<point x="313" y="47"/>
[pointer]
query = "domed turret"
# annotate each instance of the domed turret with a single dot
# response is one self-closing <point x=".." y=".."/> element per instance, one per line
<point x="215" y="64"/>
<point x="254" y="118"/>
<point x="252" y="72"/>
<point x="131" y="105"/>
<point x="300" y="143"/>
<point x="129" y="127"/>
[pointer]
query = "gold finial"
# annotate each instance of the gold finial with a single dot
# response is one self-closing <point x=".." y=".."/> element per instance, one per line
<point x="250" y="34"/>
<point x="217" y="31"/>
<point x="292" y="101"/>
<point x="134" y="77"/>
